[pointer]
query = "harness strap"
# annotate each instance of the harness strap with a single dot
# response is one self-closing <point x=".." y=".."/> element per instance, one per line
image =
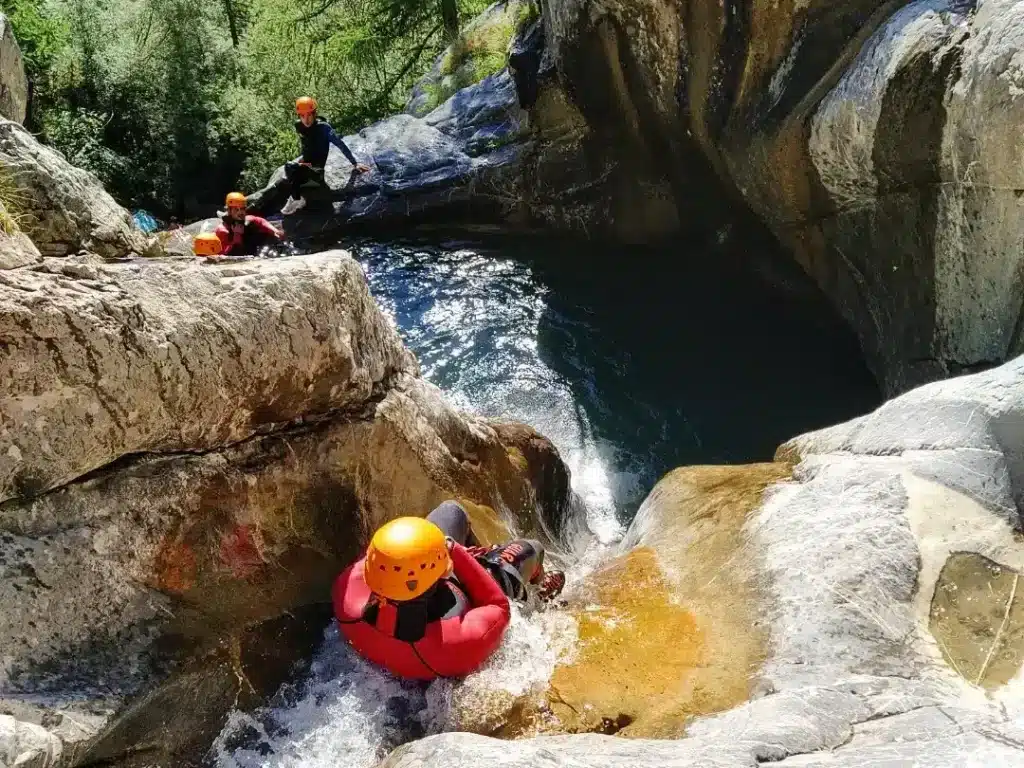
<point x="370" y="617"/>
<point x="424" y="661"/>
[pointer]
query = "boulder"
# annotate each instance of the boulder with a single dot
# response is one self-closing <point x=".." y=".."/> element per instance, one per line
<point x="63" y="209"/>
<point x="876" y="139"/>
<point x="17" y="250"/>
<point x="156" y="357"/>
<point x="875" y="586"/>
<point x="211" y="444"/>
<point x="25" y="745"/>
<point x="445" y="167"/>
<point x="13" y="82"/>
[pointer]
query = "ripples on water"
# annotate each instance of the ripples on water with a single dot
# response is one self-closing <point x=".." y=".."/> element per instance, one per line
<point x="632" y="364"/>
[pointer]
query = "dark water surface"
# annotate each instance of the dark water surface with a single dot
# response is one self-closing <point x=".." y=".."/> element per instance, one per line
<point x="634" y="361"/>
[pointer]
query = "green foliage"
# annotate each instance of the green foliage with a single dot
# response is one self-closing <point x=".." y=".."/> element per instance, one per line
<point x="173" y="103"/>
<point x="11" y="207"/>
<point x="40" y="35"/>
<point x="479" y="52"/>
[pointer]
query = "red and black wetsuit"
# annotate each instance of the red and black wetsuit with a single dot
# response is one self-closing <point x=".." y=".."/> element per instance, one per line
<point x="452" y="644"/>
<point x="245" y="238"/>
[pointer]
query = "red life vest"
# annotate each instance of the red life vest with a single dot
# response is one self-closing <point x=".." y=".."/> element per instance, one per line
<point x="244" y="238"/>
<point x="450" y="647"/>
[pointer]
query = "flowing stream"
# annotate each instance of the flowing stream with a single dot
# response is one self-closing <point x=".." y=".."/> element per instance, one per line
<point x="633" y="361"/>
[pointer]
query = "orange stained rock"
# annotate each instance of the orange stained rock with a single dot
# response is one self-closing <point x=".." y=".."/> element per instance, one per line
<point x="174" y="569"/>
<point x="486" y="523"/>
<point x="640" y="655"/>
<point x="671" y="630"/>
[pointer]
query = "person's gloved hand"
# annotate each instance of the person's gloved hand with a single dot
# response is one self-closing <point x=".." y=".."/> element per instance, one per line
<point x="478" y="551"/>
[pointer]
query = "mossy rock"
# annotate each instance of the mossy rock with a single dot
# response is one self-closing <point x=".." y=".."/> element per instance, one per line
<point x="480" y="51"/>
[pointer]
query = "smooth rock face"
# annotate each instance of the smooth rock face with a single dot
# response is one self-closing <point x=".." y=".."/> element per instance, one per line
<point x="889" y="563"/>
<point x="877" y="139"/>
<point x="64" y="209"/>
<point x="26" y="745"/>
<point x="437" y="165"/>
<point x="659" y="641"/>
<point x="13" y="82"/>
<point x="211" y="445"/>
<point x="108" y="360"/>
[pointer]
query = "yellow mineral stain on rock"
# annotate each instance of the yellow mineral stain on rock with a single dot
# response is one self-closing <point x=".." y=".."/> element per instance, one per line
<point x="977" y="618"/>
<point x="486" y="523"/>
<point x="640" y="656"/>
<point x="667" y="631"/>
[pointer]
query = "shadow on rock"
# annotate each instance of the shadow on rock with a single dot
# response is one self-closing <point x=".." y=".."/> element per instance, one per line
<point x="723" y="363"/>
<point x="174" y="724"/>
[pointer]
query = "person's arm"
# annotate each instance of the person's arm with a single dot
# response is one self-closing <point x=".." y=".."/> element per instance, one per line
<point x="225" y="239"/>
<point x="298" y="125"/>
<point x="471" y="638"/>
<point x="265" y="227"/>
<point x="337" y="141"/>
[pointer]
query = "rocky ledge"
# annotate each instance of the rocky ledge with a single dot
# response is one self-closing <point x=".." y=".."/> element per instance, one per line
<point x="855" y="603"/>
<point x="876" y="140"/>
<point x="188" y="456"/>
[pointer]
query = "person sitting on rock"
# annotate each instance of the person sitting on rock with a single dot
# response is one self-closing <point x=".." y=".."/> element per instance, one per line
<point x="316" y="136"/>
<point x="425" y="603"/>
<point x="242" y="234"/>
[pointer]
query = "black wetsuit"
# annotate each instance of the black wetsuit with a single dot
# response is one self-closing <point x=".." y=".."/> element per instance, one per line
<point x="316" y="145"/>
<point x="513" y="565"/>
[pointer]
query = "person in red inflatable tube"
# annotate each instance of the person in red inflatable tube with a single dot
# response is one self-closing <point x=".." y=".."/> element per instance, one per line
<point x="425" y="602"/>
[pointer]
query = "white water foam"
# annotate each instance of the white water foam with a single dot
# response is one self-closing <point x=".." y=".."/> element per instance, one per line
<point x="347" y="713"/>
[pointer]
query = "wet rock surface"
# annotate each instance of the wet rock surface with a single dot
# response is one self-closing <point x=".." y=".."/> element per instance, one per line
<point x="445" y="166"/>
<point x="882" y="574"/>
<point x="222" y="441"/>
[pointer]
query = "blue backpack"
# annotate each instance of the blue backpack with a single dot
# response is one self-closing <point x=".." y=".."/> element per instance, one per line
<point x="145" y="221"/>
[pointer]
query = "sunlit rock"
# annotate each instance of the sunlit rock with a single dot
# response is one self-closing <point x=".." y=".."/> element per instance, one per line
<point x="193" y="450"/>
<point x="13" y="82"/>
<point x="61" y="208"/>
<point x="863" y="611"/>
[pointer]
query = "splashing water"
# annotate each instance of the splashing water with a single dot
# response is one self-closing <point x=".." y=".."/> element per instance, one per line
<point x="629" y="375"/>
<point x="347" y="713"/>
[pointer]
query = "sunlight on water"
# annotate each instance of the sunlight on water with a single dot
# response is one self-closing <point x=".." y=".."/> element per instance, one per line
<point x="348" y="714"/>
<point x="473" y="321"/>
<point x="628" y="376"/>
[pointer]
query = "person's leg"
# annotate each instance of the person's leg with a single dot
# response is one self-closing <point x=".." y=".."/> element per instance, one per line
<point x="526" y="556"/>
<point x="451" y="518"/>
<point x="522" y="562"/>
<point x="294" y="173"/>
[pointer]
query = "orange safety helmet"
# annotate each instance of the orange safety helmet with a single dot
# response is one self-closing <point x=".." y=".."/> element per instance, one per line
<point x="235" y="200"/>
<point x="406" y="557"/>
<point x="305" y="105"/>
<point x="206" y="244"/>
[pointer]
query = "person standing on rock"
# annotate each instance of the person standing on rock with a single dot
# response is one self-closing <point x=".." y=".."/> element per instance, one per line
<point x="242" y="234"/>
<point x="316" y="136"/>
<point x="423" y="603"/>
